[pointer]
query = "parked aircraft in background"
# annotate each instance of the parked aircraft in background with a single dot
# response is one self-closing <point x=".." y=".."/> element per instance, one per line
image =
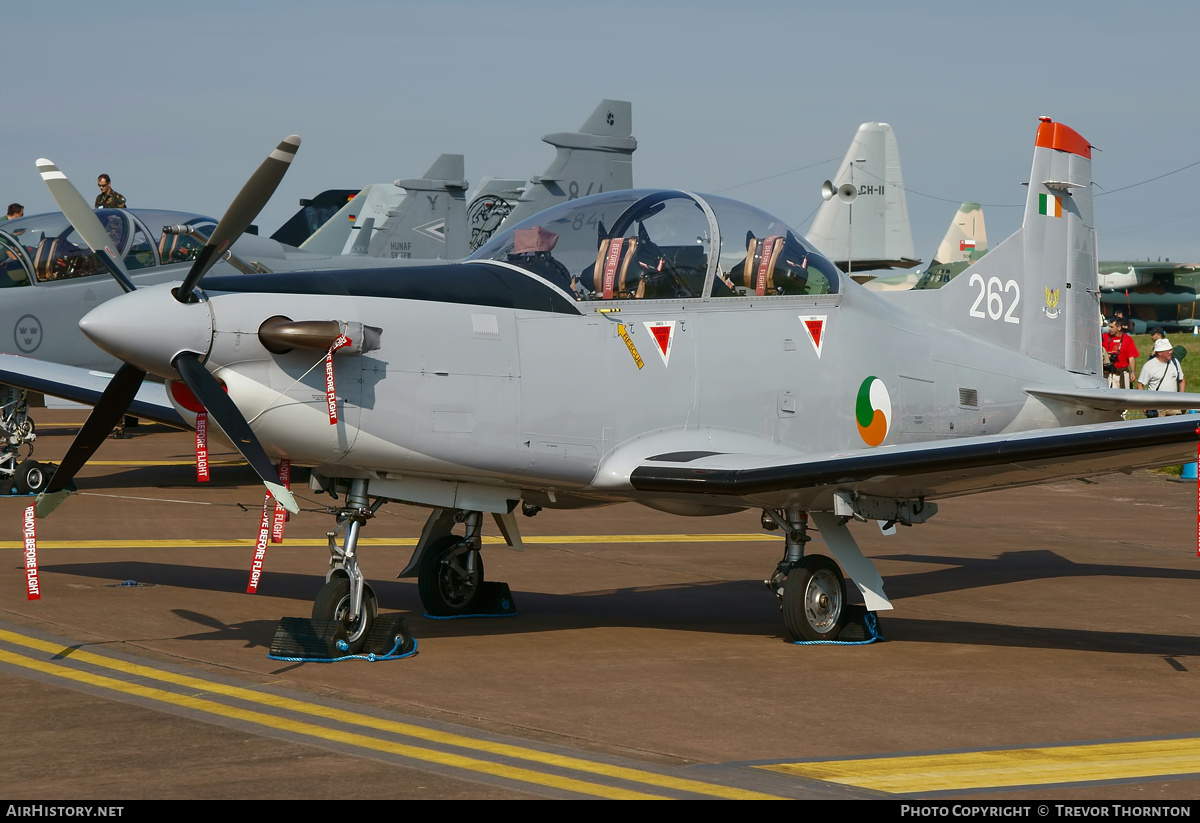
<point x="863" y="223"/>
<point x="313" y="214"/>
<point x="686" y="352"/>
<point x="965" y="242"/>
<point x="1152" y="293"/>
<point x="433" y="217"/>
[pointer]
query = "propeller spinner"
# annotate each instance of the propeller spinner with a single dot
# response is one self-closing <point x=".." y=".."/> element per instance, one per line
<point x="189" y="324"/>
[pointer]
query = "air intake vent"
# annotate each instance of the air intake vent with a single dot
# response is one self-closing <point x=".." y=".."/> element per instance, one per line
<point x="968" y="398"/>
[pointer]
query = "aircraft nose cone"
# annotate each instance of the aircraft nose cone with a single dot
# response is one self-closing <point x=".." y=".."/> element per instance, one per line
<point x="150" y="328"/>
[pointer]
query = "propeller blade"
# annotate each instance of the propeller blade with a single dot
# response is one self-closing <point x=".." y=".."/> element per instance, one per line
<point x="112" y="406"/>
<point x="84" y="220"/>
<point x="241" y="213"/>
<point x="229" y="417"/>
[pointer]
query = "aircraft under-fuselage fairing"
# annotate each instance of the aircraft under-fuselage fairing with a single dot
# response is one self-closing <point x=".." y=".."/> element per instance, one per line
<point x="683" y="351"/>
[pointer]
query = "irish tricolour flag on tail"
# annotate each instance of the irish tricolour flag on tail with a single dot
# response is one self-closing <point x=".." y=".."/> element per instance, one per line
<point x="1050" y="205"/>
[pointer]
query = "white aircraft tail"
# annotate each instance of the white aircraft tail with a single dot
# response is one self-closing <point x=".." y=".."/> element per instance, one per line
<point x="1037" y="292"/>
<point x="597" y="158"/>
<point x="868" y="228"/>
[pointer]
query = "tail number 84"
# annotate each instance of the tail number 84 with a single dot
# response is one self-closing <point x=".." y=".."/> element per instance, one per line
<point x="992" y="297"/>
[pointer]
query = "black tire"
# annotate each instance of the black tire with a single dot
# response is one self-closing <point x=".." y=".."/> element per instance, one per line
<point x="814" y="599"/>
<point x="447" y="589"/>
<point x="333" y="603"/>
<point x="32" y="477"/>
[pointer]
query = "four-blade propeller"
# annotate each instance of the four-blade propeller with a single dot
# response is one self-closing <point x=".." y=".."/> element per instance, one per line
<point x="124" y="386"/>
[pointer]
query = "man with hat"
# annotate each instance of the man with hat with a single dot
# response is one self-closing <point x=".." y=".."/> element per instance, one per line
<point x="1162" y="372"/>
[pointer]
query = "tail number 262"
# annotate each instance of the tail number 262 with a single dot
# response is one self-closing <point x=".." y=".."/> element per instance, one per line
<point x="992" y="297"/>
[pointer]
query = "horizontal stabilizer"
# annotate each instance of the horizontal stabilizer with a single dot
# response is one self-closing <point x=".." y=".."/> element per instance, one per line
<point x="1117" y="399"/>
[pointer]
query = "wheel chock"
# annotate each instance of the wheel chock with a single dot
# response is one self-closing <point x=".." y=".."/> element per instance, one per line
<point x="861" y="626"/>
<point x="389" y="636"/>
<point x="495" y="598"/>
<point x="303" y="637"/>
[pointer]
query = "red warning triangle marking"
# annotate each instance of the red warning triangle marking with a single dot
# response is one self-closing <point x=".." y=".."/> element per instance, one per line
<point x="815" y="327"/>
<point x="661" y="331"/>
<point x="662" y="334"/>
<point x="814" y="324"/>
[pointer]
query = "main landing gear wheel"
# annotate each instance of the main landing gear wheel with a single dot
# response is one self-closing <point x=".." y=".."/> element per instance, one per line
<point x="814" y="599"/>
<point x="450" y="577"/>
<point x="32" y="477"/>
<point x="333" y="603"/>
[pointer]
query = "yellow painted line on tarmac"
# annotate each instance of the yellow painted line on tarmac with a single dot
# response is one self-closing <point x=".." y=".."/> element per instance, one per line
<point x="229" y="462"/>
<point x="1085" y="763"/>
<point x="353" y="718"/>
<point x="578" y="539"/>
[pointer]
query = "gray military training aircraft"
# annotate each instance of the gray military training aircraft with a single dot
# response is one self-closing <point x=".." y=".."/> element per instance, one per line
<point x="683" y="351"/>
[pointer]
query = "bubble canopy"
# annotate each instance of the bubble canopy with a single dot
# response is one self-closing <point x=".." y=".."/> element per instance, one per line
<point x="663" y="244"/>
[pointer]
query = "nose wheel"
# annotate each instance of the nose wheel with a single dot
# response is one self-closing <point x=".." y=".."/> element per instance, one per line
<point x="814" y="599"/>
<point x="333" y="603"/>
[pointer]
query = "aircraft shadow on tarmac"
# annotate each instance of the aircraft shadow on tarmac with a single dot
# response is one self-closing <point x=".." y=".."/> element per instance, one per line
<point x="723" y="607"/>
<point x="181" y="476"/>
<point x="1009" y="567"/>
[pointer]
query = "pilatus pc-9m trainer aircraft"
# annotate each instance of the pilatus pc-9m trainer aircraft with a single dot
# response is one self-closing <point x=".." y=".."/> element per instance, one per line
<point x="686" y="352"/>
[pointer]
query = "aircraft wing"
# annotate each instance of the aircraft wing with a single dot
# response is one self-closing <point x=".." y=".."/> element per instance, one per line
<point x="929" y="470"/>
<point x="85" y="386"/>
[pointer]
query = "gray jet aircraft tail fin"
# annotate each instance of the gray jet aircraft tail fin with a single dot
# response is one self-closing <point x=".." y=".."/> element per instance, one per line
<point x="427" y="222"/>
<point x="863" y="223"/>
<point x="1037" y="292"/>
<point x="597" y="158"/>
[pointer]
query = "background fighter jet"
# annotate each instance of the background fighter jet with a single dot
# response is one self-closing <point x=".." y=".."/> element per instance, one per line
<point x="433" y="216"/>
<point x="686" y="352"/>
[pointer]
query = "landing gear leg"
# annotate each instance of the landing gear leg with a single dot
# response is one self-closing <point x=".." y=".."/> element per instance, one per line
<point x="811" y="589"/>
<point x="450" y="575"/>
<point x="346" y="596"/>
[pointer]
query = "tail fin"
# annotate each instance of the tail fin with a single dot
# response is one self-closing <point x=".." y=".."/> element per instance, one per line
<point x="492" y="201"/>
<point x="870" y="230"/>
<point x="965" y="242"/>
<point x="313" y="214"/>
<point x="597" y="158"/>
<point x="430" y="220"/>
<point x="1038" y="291"/>
<point x="333" y="236"/>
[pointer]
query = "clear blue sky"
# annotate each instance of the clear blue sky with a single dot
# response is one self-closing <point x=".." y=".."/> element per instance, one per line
<point x="180" y="102"/>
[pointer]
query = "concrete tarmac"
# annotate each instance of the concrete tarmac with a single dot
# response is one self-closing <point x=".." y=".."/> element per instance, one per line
<point x="1044" y="645"/>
